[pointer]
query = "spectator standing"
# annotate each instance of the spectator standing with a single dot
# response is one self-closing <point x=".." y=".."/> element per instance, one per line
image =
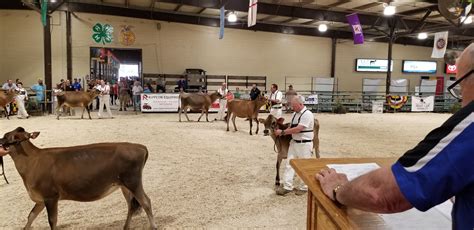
<point x="254" y="92"/>
<point x="137" y="90"/>
<point x="237" y="93"/>
<point x="289" y="95"/>
<point x="39" y="91"/>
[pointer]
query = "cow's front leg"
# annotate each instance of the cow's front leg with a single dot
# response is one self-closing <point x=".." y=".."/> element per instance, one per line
<point x="34" y="213"/>
<point x="256" y="120"/>
<point x="250" y="120"/>
<point x="52" y="208"/>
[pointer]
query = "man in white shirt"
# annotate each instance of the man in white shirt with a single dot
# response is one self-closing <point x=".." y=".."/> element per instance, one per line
<point x="275" y="99"/>
<point x="137" y="90"/>
<point x="222" y="101"/>
<point x="301" y="145"/>
<point x="104" y="98"/>
<point x="20" y="101"/>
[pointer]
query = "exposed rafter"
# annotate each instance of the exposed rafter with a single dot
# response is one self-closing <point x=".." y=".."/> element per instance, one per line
<point x="367" y="6"/>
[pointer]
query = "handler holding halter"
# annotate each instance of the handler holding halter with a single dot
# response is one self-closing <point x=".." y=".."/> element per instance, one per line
<point x="301" y="145"/>
<point x="275" y="100"/>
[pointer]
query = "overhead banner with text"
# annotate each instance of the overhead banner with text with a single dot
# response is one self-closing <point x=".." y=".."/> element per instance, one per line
<point x="422" y="104"/>
<point x="353" y="20"/>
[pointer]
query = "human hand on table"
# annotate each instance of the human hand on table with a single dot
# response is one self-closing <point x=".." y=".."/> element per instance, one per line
<point x="329" y="180"/>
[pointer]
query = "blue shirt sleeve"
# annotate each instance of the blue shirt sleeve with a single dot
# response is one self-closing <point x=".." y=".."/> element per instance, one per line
<point x="440" y="166"/>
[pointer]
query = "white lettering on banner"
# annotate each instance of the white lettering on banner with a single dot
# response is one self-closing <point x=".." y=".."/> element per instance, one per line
<point x="159" y="102"/>
<point x="422" y="104"/>
<point x="311" y="99"/>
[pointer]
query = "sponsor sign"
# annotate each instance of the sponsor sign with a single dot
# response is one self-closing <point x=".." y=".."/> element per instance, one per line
<point x="372" y="65"/>
<point x="311" y="100"/>
<point x="451" y="69"/>
<point x="422" y="104"/>
<point x="159" y="102"/>
<point x="419" y="66"/>
<point x="377" y="106"/>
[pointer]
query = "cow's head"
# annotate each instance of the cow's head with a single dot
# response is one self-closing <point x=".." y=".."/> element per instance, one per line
<point x="271" y="123"/>
<point x="15" y="137"/>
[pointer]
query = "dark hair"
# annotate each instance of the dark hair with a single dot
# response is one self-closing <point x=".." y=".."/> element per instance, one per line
<point x="275" y="85"/>
<point x="19" y="83"/>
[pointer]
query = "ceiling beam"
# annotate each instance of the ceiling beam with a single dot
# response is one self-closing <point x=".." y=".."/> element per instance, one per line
<point x="201" y="10"/>
<point x="268" y="18"/>
<point x="178" y="7"/>
<point x="290" y="11"/>
<point x="289" y="20"/>
<point x="367" y="6"/>
<point x="336" y="4"/>
<point x="418" y="11"/>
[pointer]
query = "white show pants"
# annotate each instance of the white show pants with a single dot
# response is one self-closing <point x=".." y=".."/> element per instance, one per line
<point x="20" y="102"/>
<point x="222" y="106"/>
<point x="296" y="151"/>
<point x="104" y="100"/>
<point x="276" y="112"/>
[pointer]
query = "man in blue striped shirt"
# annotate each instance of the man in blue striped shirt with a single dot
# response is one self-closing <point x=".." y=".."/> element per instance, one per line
<point x="438" y="168"/>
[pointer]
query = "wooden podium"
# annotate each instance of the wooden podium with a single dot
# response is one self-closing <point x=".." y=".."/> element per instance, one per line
<point x="322" y="212"/>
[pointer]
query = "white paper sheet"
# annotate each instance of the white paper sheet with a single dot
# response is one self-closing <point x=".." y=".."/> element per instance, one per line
<point x="354" y="170"/>
<point x="438" y="217"/>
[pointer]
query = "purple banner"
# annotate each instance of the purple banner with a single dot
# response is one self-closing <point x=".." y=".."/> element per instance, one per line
<point x="353" y="20"/>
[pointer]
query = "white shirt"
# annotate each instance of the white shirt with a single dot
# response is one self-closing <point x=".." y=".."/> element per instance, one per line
<point x="137" y="90"/>
<point x="22" y="94"/>
<point x="277" y="96"/>
<point x="307" y="121"/>
<point x="105" y="90"/>
<point x="223" y="93"/>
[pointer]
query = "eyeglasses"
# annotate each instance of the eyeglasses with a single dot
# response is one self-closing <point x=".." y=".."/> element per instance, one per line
<point x="456" y="92"/>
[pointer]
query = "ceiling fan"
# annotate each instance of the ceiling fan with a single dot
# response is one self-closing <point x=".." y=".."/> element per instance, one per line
<point x="453" y="10"/>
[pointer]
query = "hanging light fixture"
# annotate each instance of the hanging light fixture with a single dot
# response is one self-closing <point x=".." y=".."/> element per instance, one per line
<point x="232" y="17"/>
<point x="389" y="10"/>
<point x="322" y="28"/>
<point x="422" y="36"/>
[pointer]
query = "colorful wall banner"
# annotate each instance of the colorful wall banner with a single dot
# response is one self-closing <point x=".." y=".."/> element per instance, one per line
<point x="159" y="102"/>
<point x="127" y="37"/>
<point x="396" y="101"/>
<point x="422" y="104"/>
<point x="102" y="33"/>
<point x="353" y="20"/>
<point x="440" y="44"/>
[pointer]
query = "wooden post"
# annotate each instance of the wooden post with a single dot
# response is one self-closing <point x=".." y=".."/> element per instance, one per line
<point x="47" y="54"/>
<point x="391" y="38"/>
<point x="333" y="57"/>
<point x="68" y="45"/>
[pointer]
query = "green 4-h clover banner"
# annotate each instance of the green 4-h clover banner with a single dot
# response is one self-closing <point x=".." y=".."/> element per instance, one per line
<point x="102" y="33"/>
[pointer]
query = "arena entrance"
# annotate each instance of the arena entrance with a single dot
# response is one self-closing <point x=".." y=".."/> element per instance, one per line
<point x="110" y="64"/>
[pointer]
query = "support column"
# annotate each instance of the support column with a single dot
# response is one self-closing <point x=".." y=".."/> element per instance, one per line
<point x="333" y="57"/>
<point x="389" y="73"/>
<point x="68" y="45"/>
<point x="47" y="54"/>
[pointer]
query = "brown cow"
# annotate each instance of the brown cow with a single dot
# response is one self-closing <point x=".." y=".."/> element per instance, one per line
<point x="79" y="173"/>
<point x="77" y="99"/>
<point x="244" y="109"/>
<point x="282" y="143"/>
<point x="5" y="99"/>
<point x="201" y="101"/>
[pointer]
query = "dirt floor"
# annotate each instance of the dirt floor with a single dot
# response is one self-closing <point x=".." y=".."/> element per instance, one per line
<point x="198" y="175"/>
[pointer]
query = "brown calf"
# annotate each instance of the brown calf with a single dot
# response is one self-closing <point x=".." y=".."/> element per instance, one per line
<point x="282" y="143"/>
<point x="79" y="173"/>
<point x="199" y="101"/>
<point x="5" y="99"/>
<point x="76" y="99"/>
<point x="244" y="109"/>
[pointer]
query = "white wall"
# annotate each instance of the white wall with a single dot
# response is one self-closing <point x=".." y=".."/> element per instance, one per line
<point x="175" y="47"/>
